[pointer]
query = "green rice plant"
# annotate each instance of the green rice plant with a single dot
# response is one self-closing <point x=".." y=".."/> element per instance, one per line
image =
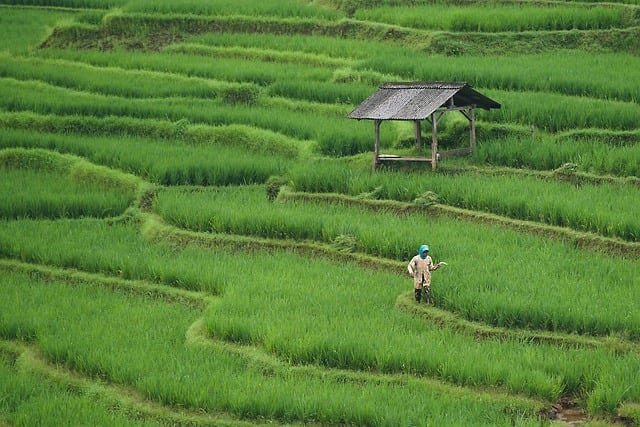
<point x="344" y="49"/>
<point x="336" y="137"/>
<point x="506" y="17"/>
<point x="165" y="162"/>
<point x="546" y="153"/>
<point x="225" y="210"/>
<point x="24" y="28"/>
<point x="114" y="81"/>
<point x="328" y="92"/>
<point x="47" y="195"/>
<point x="283" y="8"/>
<point x="259" y="54"/>
<point x="193" y="65"/>
<point x="27" y="399"/>
<point x="248" y="138"/>
<point x="214" y="379"/>
<point x="586" y="208"/>
<point x="555" y="112"/>
<point x="589" y="75"/>
<point x="89" y="4"/>
<point x="71" y="188"/>
<point x="114" y="248"/>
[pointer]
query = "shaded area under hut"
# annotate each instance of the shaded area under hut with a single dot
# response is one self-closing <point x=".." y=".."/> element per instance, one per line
<point x="420" y="101"/>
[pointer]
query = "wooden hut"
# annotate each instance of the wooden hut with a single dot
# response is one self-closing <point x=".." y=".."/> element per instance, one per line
<point x="419" y="101"/>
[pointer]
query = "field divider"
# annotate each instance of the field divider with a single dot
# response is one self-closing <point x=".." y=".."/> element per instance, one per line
<point x="582" y="240"/>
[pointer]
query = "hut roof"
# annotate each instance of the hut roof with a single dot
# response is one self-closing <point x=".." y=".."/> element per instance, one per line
<point x="416" y="101"/>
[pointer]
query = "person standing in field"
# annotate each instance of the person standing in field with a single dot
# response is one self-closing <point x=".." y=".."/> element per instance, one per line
<point x="420" y="268"/>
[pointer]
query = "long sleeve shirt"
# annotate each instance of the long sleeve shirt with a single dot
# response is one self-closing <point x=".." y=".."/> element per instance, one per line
<point x="420" y="269"/>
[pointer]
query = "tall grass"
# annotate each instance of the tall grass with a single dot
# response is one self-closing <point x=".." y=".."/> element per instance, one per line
<point x="283" y="8"/>
<point x="594" y="74"/>
<point x="284" y="298"/>
<point x="83" y="328"/>
<point x="28" y="399"/>
<point x="23" y="29"/>
<point x="162" y="162"/>
<point x="506" y="17"/>
<point x="482" y="289"/>
<point x="607" y="209"/>
<point x="546" y="153"/>
<point x="30" y="187"/>
<point x="114" y="81"/>
<point x="335" y="136"/>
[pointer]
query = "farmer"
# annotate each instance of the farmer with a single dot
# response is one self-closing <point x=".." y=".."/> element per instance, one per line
<point x="420" y="268"/>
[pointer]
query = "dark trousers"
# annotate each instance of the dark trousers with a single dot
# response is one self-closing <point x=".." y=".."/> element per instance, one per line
<point x="424" y="293"/>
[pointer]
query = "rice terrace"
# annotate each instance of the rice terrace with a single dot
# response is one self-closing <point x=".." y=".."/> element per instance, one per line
<point x="192" y="232"/>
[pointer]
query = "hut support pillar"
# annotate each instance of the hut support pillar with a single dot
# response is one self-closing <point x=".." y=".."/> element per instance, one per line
<point x="472" y="128"/>
<point x="434" y="141"/>
<point x="376" y="148"/>
<point x="418" y="136"/>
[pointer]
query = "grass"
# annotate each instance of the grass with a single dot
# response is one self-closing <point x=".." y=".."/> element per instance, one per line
<point x="586" y="207"/>
<point x="552" y="304"/>
<point x="508" y="17"/>
<point x="241" y="311"/>
<point x="163" y="162"/>
<point x="24" y="28"/>
<point x="220" y="383"/>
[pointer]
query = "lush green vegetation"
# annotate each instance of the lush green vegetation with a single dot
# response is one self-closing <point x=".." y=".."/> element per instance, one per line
<point x="191" y="232"/>
<point x="508" y="17"/>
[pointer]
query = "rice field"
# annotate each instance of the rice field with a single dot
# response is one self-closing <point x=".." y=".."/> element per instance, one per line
<point x="191" y="232"/>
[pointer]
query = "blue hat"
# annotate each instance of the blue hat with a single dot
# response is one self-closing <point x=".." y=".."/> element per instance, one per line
<point x="423" y="249"/>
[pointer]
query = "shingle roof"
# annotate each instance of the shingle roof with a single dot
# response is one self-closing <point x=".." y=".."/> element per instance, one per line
<point x="416" y="101"/>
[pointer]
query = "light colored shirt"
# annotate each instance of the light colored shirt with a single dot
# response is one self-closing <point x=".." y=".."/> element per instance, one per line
<point x="420" y="269"/>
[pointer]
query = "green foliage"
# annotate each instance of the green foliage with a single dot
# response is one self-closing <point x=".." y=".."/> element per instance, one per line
<point x="585" y="208"/>
<point x="515" y="17"/>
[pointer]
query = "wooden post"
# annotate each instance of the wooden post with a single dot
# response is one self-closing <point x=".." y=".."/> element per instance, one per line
<point x="418" y="137"/>
<point x="472" y="127"/>
<point x="376" y="148"/>
<point x="434" y="140"/>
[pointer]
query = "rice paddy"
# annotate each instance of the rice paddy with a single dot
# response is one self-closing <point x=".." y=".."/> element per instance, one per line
<point x="191" y="232"/>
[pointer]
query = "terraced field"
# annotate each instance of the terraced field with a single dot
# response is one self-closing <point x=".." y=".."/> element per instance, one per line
<point x="191" y="232"/>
